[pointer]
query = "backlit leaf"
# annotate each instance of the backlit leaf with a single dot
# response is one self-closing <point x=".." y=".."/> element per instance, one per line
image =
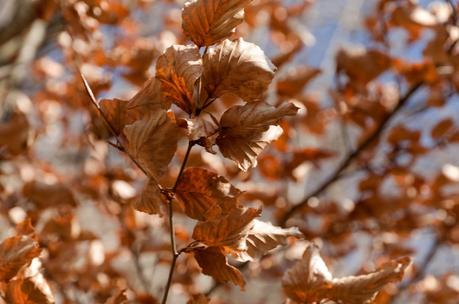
<point x="205" y="195"/>
<point x="152" y="142"/>
<point x="32" y="290"/>
<point x="177" y="70"/>
<point x="207" y="22"/>
<point x="246" y="130"/>
<point x="150" y="199"/>
<point x="310" y="281"/>
<point x="215" y="264"/>
<point x="237" y="67"/>
<point x="15" y="253"/>
<point x="229" y="231"/>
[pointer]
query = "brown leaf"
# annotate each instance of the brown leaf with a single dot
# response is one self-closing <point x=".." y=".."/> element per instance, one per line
<point x="294" y="82"/>
<point x="207" y="22"/>
<point x="178" y="69"/>
<point x="362" y="66"/>
<point x="246" y="130"/>
<point x="442" y="128"/>
<point x="14" y="135"/>
<point x="205" y="195"/>
<point x="32" y="290"/>
<point x="215" y="264"/>
<point x="237" y="67"/>
<point x="118" y="298"/>
<point x="152" y="142"/>
<point x="122" y="112"/>
<point x="198" y="299"/>
<point x="150" y="199"/>
<point x="310" y="281"/>
<point x="48" y="195"/>
<point x="229" y="231"/>
<point x="15" y="253"/>
<point x="264" y="237"/>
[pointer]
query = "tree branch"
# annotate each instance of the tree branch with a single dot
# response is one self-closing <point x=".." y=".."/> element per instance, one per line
<point x="175" y="254"/>
<point x="352" y="156"/>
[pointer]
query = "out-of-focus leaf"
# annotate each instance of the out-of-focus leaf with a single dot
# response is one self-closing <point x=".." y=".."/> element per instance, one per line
<point x="294" y="82"/>
<point x="14" y="135"/>
<point x="207" y="22"/>
<point x="205" y="195"/>
<point x="15" y="253"/>
<point x="32" y="290"/>
<point x="48" y="195"/>
<point x="177" y="70"/>
<point x="246" y="130"/>
<point x="198" y="299"/>
<point x="237" y="67"/>
<point x="118" y="298"/>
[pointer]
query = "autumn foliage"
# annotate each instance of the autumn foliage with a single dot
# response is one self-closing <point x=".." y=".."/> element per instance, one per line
<point x="218" y="174"/>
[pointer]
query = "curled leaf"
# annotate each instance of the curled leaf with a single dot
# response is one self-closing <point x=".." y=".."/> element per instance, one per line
<point x="246" y="130"/>
<point x="237" y="67"/>
<point x="207" y="22"/>
<point x="215" y="264"/>
<point x="152" y="142"/>
<point x="310" y="281"/>
<point x="205" y="195"/>
<point x="229" y="231"/>
<point x="15" y="253"/>
<point x="177" y="70"/>
<point x="31" y="290"/>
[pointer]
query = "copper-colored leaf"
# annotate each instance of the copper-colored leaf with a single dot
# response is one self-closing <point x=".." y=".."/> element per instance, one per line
<point x="237" y="67"/>
<point x="120" y="112"/>
<point x="178" y="69"/>
<point x="228" y="231"/>
<point x="32" y="290"/>
<point x="442" y="128"/>
<point x="215" y="264"/>
<point x="152" y="142"/>
<point x="149" y="200"/>
<point x="205" y="195"/>
<point x="294" y="82"/>
<point x="118" y="298"/>
<point x="48" y="195"/>
<point x="246" y="130"/>
<point x="14" y="134"/>
<point x="198" y="299"/>
<point x="362" y="66"/>
<point x="207" y="22"/>
<point x="310" y="281"/>
<point x="15" y="253"/>
<point x="264" y="237"/>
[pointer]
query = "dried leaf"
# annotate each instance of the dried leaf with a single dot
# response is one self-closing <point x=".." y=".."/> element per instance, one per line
<point x="14" y="135"/>
<point x="246" y="130"/>
<point x="15" y="253"/>
<point x="198" y="299"/>
<point x="215" y="264"/>
<point x="310" y="281"/>
<point x="207" y="22"/>
<point x="362" y="66"/>
<point x="205" y="195"/>
<point x="48" y="195"/>
<point x="152" y="142"/>
<point x="294" y="82"/>
<point x="150" y="199"/>
<point x="33" y="290"/>
<point x="230" y="231"/>
<point x="442" y="128"/>
<point x="237" y="67"/>
<point x="118" y="298"/>
<point x="264" y="237"/>
<point x="178" y="69"/>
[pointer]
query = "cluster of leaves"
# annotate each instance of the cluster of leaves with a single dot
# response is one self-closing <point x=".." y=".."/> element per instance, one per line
<point x="212" y="135"/>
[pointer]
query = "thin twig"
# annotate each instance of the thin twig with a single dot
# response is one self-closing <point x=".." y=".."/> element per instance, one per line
<point x="352" y="156"/>
<point x="175" y="254"/>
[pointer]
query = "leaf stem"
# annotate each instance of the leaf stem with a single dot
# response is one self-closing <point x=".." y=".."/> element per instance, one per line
<point x="175" y="254"/>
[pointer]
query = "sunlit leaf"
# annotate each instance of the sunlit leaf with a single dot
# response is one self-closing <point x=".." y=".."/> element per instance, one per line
<point x="15" y="253"/>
